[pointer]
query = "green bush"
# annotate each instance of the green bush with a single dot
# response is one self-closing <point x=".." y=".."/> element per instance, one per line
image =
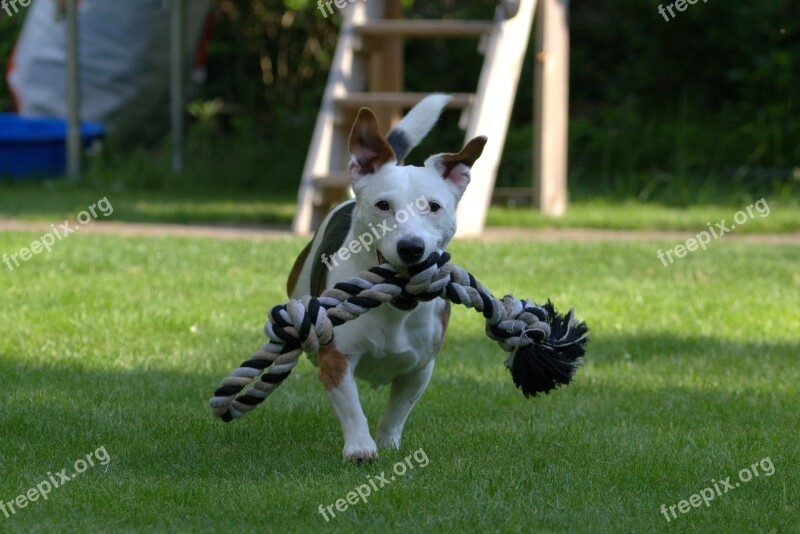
<point x="703" y="107"/>
<point x="9" y="29"/>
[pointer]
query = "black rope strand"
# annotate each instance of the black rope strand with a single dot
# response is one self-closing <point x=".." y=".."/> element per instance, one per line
<point x="545" y="354"/>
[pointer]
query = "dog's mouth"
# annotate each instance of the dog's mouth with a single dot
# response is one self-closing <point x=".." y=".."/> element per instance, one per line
<point x="401" y="269"/>
<point x="401" y="302"/>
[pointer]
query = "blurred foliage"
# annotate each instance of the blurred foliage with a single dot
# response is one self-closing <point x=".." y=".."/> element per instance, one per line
<point x="702" y="106"/>
<point x="9" y="29"/>
<point x="685" y="109"/>
<point x="270" y="57"/>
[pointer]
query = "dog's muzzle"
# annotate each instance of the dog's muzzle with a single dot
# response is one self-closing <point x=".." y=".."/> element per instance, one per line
<point x="411" y="249"/>
<point x="401" y="303"/>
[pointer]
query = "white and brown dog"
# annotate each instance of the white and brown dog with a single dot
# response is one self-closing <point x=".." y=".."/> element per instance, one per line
<point x="410" y="212"/>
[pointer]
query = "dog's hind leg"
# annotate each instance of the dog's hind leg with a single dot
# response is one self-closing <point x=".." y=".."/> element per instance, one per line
<point x="336" y="375"/>
<point x="406" y="391"/>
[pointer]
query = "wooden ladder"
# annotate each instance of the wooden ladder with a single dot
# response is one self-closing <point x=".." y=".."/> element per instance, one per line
<point x="369" y="54"/>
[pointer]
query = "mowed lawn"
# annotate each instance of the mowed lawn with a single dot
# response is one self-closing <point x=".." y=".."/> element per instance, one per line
<point x="117" y="343"/>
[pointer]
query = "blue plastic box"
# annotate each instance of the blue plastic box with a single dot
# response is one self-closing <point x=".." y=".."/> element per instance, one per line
<point x="37" y="146"/>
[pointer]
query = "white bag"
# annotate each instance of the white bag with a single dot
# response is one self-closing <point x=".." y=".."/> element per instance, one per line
<point x="124" y="63"/>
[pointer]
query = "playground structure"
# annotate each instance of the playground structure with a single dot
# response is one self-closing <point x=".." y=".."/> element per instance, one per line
<point x="367" y="70"/>
<point x="121" y="65"/>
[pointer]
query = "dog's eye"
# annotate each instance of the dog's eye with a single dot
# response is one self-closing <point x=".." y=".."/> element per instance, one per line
<point x="382" y="205"/>
<point x="435" y="207"/>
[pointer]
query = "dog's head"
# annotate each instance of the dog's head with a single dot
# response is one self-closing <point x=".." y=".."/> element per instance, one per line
<point x="411" y="210"/>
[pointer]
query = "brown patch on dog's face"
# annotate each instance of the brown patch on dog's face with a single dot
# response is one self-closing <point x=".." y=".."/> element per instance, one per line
<point x="332" y="366"/>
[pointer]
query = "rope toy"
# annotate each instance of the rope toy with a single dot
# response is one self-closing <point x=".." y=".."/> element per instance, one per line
<point x="546" y="347"/>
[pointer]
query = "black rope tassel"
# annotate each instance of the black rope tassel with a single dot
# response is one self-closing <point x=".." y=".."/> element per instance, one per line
<point x="551" y="360"/>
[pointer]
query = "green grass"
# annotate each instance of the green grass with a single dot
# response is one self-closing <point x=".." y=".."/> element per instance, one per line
<point x="118" y="342"/>
<point x="56" y="201"/>
<point x="783" y="216"/>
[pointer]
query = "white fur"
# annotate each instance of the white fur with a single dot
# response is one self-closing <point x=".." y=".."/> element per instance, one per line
<point x="419" y="121"/>
<point x="388" y="345"/>
<point x="401" y="186"/>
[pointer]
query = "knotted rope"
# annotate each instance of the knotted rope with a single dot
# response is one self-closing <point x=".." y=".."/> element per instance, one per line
<point x="545" y="347"/>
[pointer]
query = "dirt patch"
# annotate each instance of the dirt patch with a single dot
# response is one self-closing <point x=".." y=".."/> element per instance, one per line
<point x="491" y="235"/>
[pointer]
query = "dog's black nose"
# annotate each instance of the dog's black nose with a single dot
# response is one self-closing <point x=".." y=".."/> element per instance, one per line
<point x="411" y="249"/>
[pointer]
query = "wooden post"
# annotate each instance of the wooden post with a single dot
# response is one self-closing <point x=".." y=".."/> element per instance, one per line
<point x="74" y="141"/>
<point x="177" y="77"/>
<point x="491" y="114"/>
<point x="386" y="70"/>
<point x="551" y="107"/>
<point x="328" y="148"/>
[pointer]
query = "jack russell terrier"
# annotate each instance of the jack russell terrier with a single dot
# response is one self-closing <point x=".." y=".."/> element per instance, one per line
<point x="411" y="212"/>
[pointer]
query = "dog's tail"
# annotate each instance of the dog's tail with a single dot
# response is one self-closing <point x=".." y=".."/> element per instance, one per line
<point x="415" y="126"/>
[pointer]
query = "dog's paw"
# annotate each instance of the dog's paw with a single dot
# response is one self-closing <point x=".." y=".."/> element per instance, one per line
<point x="388" y="441"/>
<point x="363" y="450"/>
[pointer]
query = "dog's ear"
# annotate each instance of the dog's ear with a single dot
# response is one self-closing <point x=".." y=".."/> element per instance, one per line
<point x="455" y="168"/>
<point x="369" y="149"/>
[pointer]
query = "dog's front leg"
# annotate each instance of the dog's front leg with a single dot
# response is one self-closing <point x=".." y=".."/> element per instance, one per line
<point x="406" y="391"/>
<point x="336" y="375"/>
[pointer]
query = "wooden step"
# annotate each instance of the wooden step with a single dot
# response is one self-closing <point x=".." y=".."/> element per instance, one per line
<point x="512" y="196"/>
<point x="331" y="189"/>
<point x="452" y="29"/>
<point x="333" y="180"/>
<point x="404" y="100"/>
